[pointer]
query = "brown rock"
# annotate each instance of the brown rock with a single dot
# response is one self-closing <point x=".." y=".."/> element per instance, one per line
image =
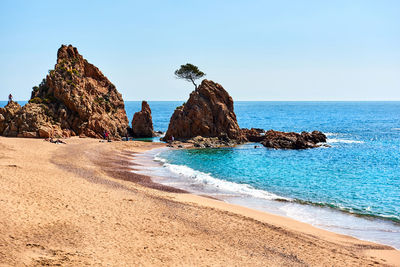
<point x="30" y="134"/>
<point x="28" y="119"/>
<point x="74" y="99"/>
<point x="253" y="134"/>
<point x="7" y="115"/>
<point x="210" y="142"/>
<point x="142" y="123"/>
<point x="45" y="132"/>
<point x="207" y="113"/>
<point x="291" y="140"/>
<point x="314" y="137"/>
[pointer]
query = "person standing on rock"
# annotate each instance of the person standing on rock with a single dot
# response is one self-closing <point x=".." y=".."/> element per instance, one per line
<point x="10" y="98"/>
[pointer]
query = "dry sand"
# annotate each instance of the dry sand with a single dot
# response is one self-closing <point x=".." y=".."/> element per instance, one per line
<point x="79" y="204"/>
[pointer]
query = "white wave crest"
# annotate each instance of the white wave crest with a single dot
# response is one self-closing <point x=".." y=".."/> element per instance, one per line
<point x="331" y="134"/>
<point x="157" y="158"/>
<point x="199" y="177"/>
<point x="337" y="140"/>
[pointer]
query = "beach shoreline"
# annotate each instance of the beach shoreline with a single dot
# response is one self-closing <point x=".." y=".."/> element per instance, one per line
<point x="360" y="226"/>
<point x="91" y="180"/>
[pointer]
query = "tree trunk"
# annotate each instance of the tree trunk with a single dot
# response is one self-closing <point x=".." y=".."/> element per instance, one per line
<point x="195" y="85"/>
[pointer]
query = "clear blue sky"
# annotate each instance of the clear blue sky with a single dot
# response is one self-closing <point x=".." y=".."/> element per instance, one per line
<point x="258" y="50"/>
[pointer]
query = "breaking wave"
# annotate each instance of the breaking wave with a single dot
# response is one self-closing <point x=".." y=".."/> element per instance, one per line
<point x="205" y="179"/>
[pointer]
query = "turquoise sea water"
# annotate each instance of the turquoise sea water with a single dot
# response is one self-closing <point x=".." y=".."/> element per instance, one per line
<point x="353" y="187"/>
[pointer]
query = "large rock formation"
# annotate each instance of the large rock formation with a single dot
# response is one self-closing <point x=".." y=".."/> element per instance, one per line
<point x="207" y="113"/>
<point x="74" y="99"/>
<point x="142" y="123"/>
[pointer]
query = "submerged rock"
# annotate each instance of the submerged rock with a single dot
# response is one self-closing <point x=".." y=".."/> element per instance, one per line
<point x="207" y="113"/>
<point x="75" y="99"/>
<point x="142" y="123"/>
<point x="291" y="140"/>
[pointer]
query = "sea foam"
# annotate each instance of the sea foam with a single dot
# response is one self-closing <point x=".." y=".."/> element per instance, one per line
<point x="205" y="179"/>
<point x="337" y="140"/>
<point x="334" y="139"/>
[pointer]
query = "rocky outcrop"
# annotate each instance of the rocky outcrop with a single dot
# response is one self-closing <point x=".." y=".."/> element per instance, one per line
<point x="74" y="99"/>
<point x="7" y="115"/>
<point x="314" y="137"/>
<point x="30" y="120"/>
<point x="291" y="140"/>
<point x="253" y="134"/>
<point x="142" y="123"/>
<point x="211" y="142"/>
<point x="207" y="113"/>
<point x="285" y="140"/>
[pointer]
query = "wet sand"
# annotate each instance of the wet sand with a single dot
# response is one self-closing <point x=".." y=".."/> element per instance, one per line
<point x="81" y="204"/>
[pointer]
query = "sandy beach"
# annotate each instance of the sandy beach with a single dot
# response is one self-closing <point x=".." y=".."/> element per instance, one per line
<point x="80" y="204"/>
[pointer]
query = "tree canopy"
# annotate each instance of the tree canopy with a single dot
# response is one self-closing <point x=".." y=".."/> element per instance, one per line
<point x="189" y="73"/>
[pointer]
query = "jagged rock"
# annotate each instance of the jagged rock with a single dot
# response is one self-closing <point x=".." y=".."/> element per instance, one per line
<point x="25" y="121"/>
<point x="291" y="140"/>
<point x="29" y="134"/>
<point x="207" y="113"/>
<point x="253" y="134"/>
<point x="314" y="137"/>
<point x="74" y="99"/>
<point x="142" y="123"/>
<point x="211" y="142"/>
<point x="7" y="115"/>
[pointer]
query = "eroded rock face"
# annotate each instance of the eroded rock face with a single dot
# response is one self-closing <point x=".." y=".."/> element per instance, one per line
<point x="142" y="123"/>
<point x="7" y="115"/>
<point x="253" y="134"/>
<point x="211" y="142"/>
<point x="207" y="113"/>
<point x="74" y="99"/>
<point x="291" y="140"/>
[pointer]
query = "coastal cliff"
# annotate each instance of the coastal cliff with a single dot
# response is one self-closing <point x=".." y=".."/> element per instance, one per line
<point x="207" y="113"/>
<point x="75" y="99"/>
<point x="142" y="123"/>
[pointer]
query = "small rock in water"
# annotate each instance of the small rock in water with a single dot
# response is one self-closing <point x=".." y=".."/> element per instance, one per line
<point x="142" y="123"/>
<point x="291" y="140"/>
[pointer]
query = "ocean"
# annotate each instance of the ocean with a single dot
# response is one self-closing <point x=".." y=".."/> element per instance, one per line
<point x="352" y="187"/>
